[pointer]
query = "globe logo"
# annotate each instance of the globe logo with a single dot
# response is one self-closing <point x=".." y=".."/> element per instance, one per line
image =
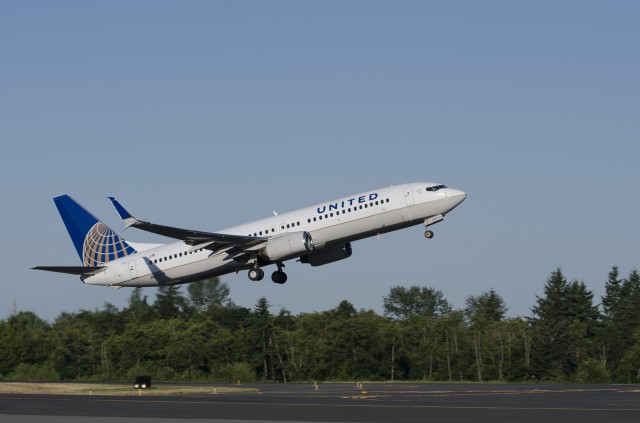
<point x="102" y="245"/>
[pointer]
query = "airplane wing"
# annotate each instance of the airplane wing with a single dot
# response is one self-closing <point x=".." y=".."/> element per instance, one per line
<point x="72" y="270"/>
<point x="216" y="241"/>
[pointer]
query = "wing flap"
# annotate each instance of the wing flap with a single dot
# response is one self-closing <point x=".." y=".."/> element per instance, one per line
<point x="192" y="237"/>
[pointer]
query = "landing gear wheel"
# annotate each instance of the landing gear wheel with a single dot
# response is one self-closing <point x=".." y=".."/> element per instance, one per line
<point x="428" y="234"/>
<point x="256" y="274"/>
<point x="279" y="277"/>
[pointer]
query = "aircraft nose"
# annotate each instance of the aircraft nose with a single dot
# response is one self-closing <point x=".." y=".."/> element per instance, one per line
<point x="456" y="196"/>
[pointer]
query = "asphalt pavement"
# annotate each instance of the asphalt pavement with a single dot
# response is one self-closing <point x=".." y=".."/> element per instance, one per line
<point x="367" y="402"/>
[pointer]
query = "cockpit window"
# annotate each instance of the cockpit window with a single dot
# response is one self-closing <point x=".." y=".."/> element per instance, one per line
<point x="435" y="188"/>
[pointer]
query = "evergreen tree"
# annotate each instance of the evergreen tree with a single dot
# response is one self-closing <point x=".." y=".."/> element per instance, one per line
<point x="344" y="310"/>
<point x="208" y="294"/>
<point x="169" y="302"/>
<point x="262" y="334"/>
<point x="622" y="320"/>
<point x="613" y="291"/>
<point x="486" y="307"/>
<point x="485" y="312"/>
<point x="138" y="309"/>
<point x="563" y="325"/>
<point x="629" y="305"/>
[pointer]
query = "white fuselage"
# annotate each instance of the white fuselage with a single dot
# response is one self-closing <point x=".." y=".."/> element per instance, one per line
<point x="339" y="221"/>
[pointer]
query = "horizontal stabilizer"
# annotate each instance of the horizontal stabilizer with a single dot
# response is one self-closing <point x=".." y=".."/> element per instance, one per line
<point x="72" y="270"/>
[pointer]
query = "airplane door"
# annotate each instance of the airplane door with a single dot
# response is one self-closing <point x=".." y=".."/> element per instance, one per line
<point x="408" y="196"/>
<point x="133" y="272"/>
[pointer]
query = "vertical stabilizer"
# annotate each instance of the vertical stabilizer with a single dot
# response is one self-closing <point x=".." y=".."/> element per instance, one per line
<point x="95" y="242"/>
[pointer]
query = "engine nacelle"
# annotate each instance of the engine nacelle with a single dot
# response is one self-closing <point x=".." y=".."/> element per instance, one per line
<point x="328" y="255"/>
<point x="287" y="246"/>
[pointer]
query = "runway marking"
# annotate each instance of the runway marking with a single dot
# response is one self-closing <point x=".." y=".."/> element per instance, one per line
<point x="383" y="399"/>
<point x="376" y="405"/>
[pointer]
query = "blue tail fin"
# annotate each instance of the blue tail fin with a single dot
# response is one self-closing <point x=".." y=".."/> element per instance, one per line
<point x="95" y="242"/>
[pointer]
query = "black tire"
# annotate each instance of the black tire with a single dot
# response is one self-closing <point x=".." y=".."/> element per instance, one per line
<point x="428" y="234"/>
<point x="256" y="274"/>
<point x="279" y="277"/>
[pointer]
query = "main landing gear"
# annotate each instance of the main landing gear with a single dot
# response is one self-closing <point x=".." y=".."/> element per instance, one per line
<point x="279" y="277"/>
<point x="256" y="274"/>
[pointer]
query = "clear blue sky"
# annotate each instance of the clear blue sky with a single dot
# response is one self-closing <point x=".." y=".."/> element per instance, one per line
<point x="208" y="114"/>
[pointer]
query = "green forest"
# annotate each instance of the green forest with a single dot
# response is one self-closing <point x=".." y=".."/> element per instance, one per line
<point x="201" y="335"/>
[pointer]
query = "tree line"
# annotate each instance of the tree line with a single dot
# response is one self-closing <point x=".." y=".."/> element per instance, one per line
<point x="201" y="335"/>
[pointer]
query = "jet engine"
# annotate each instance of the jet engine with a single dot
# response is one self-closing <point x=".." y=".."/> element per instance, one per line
<point x="287" y="246"/>
<point x="328" y="255"/>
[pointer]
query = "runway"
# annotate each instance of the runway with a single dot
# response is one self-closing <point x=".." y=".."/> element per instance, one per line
<point x="343" y="403"/>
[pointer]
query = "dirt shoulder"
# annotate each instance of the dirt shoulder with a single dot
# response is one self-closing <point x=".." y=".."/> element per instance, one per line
<point x="111" y="389"/>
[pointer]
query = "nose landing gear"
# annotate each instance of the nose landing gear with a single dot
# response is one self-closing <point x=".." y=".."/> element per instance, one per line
<point x="431" y="221"/>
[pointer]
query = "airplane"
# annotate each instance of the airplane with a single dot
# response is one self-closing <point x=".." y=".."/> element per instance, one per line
<point x="316" y="235"/>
